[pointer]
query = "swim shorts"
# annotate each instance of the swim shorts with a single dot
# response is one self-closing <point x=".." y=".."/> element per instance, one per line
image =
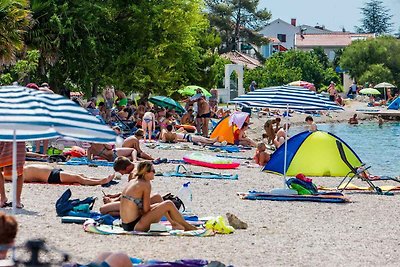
<point x="54" y="177"/>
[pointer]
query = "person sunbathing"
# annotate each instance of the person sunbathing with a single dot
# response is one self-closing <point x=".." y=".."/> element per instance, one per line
<point x="133" y="142"/>
<point x="168" y="136"/>
<point x="137" y="212"/>
<point x="47" y="174"/>
<point x="109" y="153"/>
<point x="280" y="135"/>
<point x="240" y="138"/>
<point x="261" y="157"/>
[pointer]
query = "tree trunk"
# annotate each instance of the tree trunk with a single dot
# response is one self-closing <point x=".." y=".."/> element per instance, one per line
<point x="95" y="87"/>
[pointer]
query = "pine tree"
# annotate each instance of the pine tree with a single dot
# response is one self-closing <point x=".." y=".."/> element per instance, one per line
<point x="237" y="20"/>
<point x="376" y="18"/>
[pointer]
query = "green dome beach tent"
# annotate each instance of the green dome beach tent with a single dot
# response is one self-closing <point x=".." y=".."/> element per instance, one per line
<point x="191" y="91"/>
<point x="313" y="154"/>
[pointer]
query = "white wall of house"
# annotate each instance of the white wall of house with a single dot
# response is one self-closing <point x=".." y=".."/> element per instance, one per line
<point x="279" y="26"/>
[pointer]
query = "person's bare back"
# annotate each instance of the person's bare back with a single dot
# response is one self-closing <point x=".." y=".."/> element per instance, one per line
<point x="132" y="142"/>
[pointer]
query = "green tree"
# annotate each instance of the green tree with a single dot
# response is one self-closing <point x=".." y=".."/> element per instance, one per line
<point x="322" y="57"/>
<point x="14" y="21"/>
<point x="375" y="74"/>
<point x="376" y="18"/>
<point x="360" y="55"/>
<point x="237" y="20"/>
<point x="283" y="68"/>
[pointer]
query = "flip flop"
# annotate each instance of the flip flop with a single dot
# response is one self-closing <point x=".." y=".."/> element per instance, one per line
<point x="7" y="204"/>
<point x="18" y="207"/>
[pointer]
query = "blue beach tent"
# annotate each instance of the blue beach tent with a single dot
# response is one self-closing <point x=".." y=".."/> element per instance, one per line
<point x="395" y="105"/>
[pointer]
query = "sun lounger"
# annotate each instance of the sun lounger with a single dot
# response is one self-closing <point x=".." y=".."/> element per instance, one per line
<point x="181" y="171"/>
<point x="361" y="173"/>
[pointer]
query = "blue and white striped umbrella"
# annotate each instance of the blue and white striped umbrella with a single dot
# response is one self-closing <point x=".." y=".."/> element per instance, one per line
<point x="283" y="97"/>
<point x="37" y="115"/>
<point x="27" y="114"/>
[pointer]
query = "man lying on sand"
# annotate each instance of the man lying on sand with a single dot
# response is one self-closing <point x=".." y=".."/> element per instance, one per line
<point x="169" y="136"/>
<point x="47" y="174"/>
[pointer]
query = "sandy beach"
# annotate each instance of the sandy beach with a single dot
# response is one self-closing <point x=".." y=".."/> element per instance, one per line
<point x="364" y="232"/>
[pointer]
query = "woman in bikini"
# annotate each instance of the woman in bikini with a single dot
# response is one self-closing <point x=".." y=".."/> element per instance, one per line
<point x="137" y="212"/>
<point x="109" y="153"/>
<point x="148" y="124"/>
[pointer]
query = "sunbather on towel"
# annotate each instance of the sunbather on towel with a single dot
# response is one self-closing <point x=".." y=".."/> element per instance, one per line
<point x="240" y="137"/>
<point x="109" y="153"/>
<point x="112" y="203"/>
<point x="47" y="174"/>
<point x="137" y="212"/>
<point x="261" y="157"/>
<point x="133" y="142"/>
<point x="168" y="136"/>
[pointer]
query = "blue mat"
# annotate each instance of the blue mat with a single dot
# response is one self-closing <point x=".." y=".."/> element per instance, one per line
<point x="85" y="161"/>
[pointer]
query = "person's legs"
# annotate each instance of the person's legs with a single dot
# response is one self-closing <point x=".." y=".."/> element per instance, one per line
<point x="204" y="140"/>
<point x="144" y="127"/>
<point x="45" y="146"/>
<point x="127" y="152"/>
<point x="110" y="208"/>
<point x="3" y="197"/>
<point x="205" y="126"/>
<point x="66" y="177"/>
<point x="150" y="128"/>
<point x="198" y="125"/>
<point x="155" y="215"/>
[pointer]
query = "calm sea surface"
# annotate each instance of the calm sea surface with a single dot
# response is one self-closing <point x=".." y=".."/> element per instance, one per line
<point x="378" y="146"/>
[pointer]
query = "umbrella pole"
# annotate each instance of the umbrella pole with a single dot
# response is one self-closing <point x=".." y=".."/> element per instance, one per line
<point x="285" y="157"/>
<point x="14" y="173"/>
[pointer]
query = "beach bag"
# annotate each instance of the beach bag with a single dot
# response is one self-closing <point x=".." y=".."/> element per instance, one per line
<point x="302" y="187"/>
<point x="176" y="200"/>
<point x="64" y="204"/>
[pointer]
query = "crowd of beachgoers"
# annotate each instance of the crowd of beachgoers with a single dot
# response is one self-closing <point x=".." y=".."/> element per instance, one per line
<point x="140" y="123"/>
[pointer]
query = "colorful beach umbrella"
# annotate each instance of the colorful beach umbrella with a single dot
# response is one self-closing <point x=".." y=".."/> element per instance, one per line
<point x="283" y="97"/>
<point x="27" y="114"/>
<point x="369" y="91"/>
<point x="191" y="91"/>
<point x="166" y="102"/>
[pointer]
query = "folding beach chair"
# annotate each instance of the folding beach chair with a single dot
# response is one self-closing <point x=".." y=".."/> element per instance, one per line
<point x="361" y="173"/>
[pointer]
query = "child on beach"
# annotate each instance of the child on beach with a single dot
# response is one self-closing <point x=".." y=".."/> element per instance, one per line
<point x="312" y="127"/>
<point x="261" y="157"/>
<point x="280" y="135"/>
<point x="8" y="232"/>
<point x="136" y="211"/>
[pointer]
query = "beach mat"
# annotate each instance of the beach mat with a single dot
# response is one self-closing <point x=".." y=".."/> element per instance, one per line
<point x="333" y="197"/>
<point x="85" y="161"/>
<point x="91" y="227"/>
<point x="181" y="171"/>
<point x="353" y="187"/>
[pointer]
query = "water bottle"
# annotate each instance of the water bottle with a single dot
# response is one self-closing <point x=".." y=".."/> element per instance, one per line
<point x="185" y="194"/>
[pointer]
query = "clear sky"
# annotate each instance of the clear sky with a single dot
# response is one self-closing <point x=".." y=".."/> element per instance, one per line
<point x="334" y="14"/>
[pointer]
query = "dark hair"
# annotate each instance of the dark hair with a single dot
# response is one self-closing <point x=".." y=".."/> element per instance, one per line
<point x="139" y="133"/>
<point x="101" y="104"/>
<point x="245" y="124"/>
<point x="277" y="119"/>
<point x="168" y="115"/>
<point x="169" y="127"/>
<point x="121" y="163"/>
<point x="8" y="229"/>
<point x="309" y="118"/>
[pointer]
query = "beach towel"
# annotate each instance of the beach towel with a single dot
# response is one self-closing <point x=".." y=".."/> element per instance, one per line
<point x="181" y="171"/>
<point x="85" y="161"/>
<point x="91" y="226"/>
<point x="230" y="149"/>
<point x="321" y="197"/>
<point x="233" y="157"/>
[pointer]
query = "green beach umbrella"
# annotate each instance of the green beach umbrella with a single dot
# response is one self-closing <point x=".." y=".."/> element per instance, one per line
<point x="369" y="91"/>
<point x="166" y="102"/>
<point x="191" y="91"/>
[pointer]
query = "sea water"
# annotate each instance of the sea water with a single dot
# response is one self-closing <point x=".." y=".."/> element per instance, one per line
<point x="377" y="146"/>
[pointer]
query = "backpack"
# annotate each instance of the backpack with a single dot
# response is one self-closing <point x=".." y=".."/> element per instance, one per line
<point x="64" y="204"/>
<point x="176" y="200"/>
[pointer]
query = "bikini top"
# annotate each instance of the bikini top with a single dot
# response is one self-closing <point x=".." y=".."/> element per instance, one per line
<point x="137" y="201"/>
